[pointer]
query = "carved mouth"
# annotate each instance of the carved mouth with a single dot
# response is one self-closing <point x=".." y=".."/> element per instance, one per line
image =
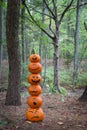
<point x="35" y="117"/>
<point x="34" y="91"/>
<point x="35" y="68"/>
<point x="31" y="111"/>
<point x="35" y="81"/>
<point x="34" y="58"/>
<point x="34" y="103"/>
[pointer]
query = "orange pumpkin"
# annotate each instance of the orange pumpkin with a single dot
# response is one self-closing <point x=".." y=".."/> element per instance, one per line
<point x="35" y="67"/>
<point x="34" y="79"/>
<point x="34" y="115"/>
<point x="34" y="101"/>
<point x="34" y="58"/>
<point x="34" y="90"/>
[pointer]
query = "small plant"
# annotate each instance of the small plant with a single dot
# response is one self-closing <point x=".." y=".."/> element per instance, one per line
<point x="63" y="91"/>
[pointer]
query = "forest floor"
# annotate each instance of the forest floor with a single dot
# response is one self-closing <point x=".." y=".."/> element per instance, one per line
<point x="61" y="113"/>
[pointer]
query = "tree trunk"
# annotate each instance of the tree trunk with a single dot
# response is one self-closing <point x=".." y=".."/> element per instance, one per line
<point x="23" y="35"/>
<point x="1" y="37"/>
<point x="42" y="33"/>
<point x="56" y="64"/>
<point x="84" y="95"/>
<point x="12" y="24"/>
<point x="75" y="72"/>
<point x="45" y="66"/>
<point x="56" y="50"/>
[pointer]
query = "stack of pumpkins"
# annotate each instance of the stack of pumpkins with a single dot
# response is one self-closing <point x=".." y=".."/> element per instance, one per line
<point x="34" y="113"/>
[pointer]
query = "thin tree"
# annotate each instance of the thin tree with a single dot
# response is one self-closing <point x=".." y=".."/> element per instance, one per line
<point x="84" y="95"/>
<point x="75" y="72"/>
<point x="41" y="41"/>
<point x="12" y="24"/>
<point x="54" y="32"/>
<point x="23" y="34"/>
<point x="1" y="36"/>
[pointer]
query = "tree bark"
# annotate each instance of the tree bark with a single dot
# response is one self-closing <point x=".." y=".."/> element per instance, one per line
<point x="56" y="61"/>
<point x="42" y="34"/>
<point x="56" y="53"/>
<point x="1" y="37"/>
<point x="84" y="95"/>
<point x="23" y="34"/>
<point x="12" y="24"/>
<point x="75" y="72"/>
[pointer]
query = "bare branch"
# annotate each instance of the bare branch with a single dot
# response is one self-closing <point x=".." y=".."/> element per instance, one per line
<point x="49" y="9"/>
<point x="65" y="10"/>
<point x="51" y="28"/>
<point x="55" y="8"/>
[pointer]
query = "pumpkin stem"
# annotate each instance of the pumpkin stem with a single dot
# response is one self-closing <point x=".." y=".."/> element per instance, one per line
<point x="33" y="51"/>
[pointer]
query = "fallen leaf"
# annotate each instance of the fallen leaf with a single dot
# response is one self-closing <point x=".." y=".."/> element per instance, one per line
<point x="60" y="123"/>
<point x="28" y="122"/>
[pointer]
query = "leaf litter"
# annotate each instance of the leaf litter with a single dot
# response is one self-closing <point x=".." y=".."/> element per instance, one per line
<point x="66" y="114"/>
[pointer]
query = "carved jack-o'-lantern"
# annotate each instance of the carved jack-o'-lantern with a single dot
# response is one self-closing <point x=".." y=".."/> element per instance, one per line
<point x="34" y="115"/>
<point x="35" y="67"/>
<point x="34" y="90"/>
<point x="34" y="79"/>
<point x="34" y="101"/>
<point x="34" y="58"/>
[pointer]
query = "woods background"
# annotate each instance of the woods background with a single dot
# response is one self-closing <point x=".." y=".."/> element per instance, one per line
<point x="56" y="30"/>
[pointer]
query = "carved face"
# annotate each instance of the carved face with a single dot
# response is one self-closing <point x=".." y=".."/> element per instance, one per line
<point x="35" y="67"/>
<point x="34" y="115"/>
<point x="34" y="101"/>
<point x="34" y="58"/>
<point x="34" y="79"/>
<point x="34" y="90"/>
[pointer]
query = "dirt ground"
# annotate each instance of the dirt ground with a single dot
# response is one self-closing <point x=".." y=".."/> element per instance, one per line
<point x="61" y="113"/>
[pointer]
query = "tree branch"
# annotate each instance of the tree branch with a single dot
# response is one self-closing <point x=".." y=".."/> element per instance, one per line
<point x="43" y="14"/>
<point x="35" y="22"/>
<point x="85" y="25"/>
<point x="65" y="10"/>
<point x="85" y="3"/>
<point x="54" y="5"/>
<point x="49" y="9"/>
<point x="51" y="28"/>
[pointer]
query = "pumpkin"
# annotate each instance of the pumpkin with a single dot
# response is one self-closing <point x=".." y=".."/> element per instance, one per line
<point x="34" y="58"/>
<point x="35" y="67"/>
<point x="34" y="101"/>
<point x="34" y="115"/>
<point x="34" y="79"/>
<point x="34" y="90"/>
